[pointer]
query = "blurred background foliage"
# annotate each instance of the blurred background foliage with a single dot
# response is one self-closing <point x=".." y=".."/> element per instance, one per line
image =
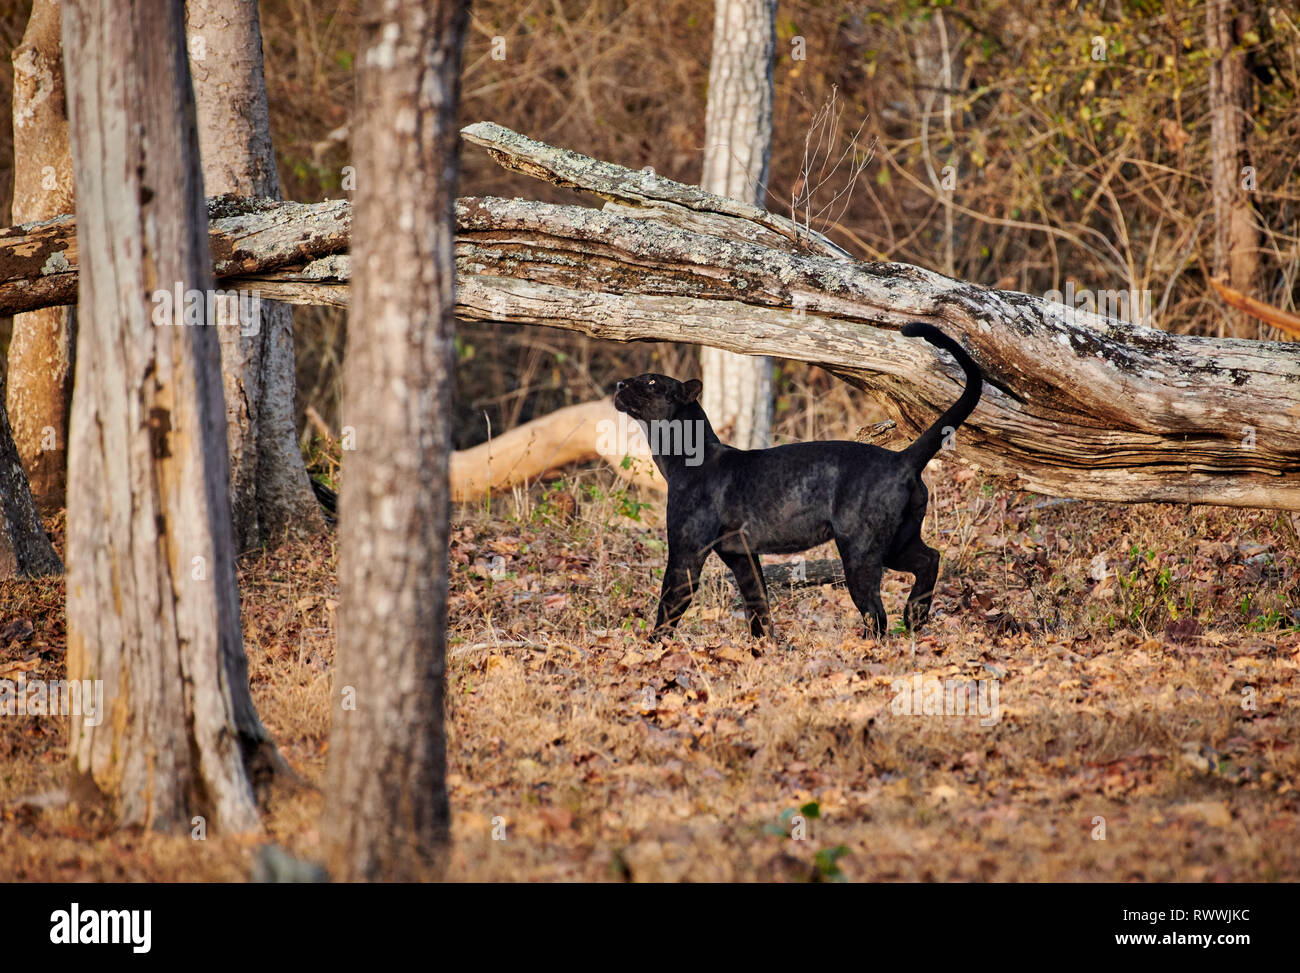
<point x="1066" y="168"/>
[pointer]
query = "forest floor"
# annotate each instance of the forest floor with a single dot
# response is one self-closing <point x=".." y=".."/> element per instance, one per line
<point x="1142" y="661"/>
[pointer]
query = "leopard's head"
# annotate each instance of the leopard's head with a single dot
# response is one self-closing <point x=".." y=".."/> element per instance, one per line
<point x="651" y="397"/>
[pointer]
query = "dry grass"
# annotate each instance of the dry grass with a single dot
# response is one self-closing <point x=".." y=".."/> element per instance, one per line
<point x="603" y="758"/>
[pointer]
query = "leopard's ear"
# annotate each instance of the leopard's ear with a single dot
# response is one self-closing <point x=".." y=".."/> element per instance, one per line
<point x="691" y="390"/>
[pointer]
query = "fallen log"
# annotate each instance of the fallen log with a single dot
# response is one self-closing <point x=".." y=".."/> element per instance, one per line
<point x="1284" y="321"/>
<point x="39" y="261"/>
<point x="784" y="577"/>
<point x="803" y="574"/>
<point x="1075" y="404"/>
<point x="530" y="452"/>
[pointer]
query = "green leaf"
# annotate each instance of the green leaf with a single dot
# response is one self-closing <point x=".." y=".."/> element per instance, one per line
<point x="827" y="860"/>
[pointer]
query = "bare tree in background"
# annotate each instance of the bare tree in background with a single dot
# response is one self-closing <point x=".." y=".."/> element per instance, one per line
<point x="737" y="150"/>
<point x="937" y="63"/>
<point x="269" y="489"/>
<point x="1236" y="237"/>
<point x="153" y="610"/>
<point x="41" y="352"/>
<point x="387" y="814"/>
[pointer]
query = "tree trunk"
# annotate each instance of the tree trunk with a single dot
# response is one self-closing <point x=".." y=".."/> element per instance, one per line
<point x="41" y="352"/>
<point x="1076" y="405"/>
<point x="153" y="609"/>
<point x="1236" y="238"/>
<point x="737" y="149"/>
<point x="387" y="814"/>
<point x="937" y="62"/>
<point x="24" y="546"/>
<point x="269" y="490"/>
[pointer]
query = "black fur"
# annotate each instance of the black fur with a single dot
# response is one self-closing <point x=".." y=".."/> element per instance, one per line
<point x="745" y="503"/>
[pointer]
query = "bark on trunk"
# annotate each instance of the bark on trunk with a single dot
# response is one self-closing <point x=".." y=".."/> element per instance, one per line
<point x="41" y="352"/>
<point x="387" y="814"/>
<point x="268" y="483"/>
<point x="1076" y="405"/>
<point x="153" y="609"/>
<point x="737" y="150"/>
<point x="1236" y="238"/>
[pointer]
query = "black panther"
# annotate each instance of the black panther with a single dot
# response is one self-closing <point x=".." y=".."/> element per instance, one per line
<point x="745" y="503"/>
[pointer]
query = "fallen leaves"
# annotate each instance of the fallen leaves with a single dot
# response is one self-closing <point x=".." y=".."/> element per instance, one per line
<point x="600" y="755"/>
<point x="17" y="630"/>
<point x="8" y="670"/>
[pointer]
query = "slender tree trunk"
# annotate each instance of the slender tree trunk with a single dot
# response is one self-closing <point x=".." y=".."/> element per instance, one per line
<point x="937" y="62"/>
<point x="41" y="352"/>
<point x="737" y="150"/>
<point x="387" y="814"/>
<point x="37" y="391"/>
<point x="1236" y="237"/>
<point x="24" y="546"/>
<point x="153" y="610"/>
<point x="268" y="482"/>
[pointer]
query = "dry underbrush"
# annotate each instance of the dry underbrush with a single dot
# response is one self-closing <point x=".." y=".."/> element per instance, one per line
<point x="1127" y="646"/>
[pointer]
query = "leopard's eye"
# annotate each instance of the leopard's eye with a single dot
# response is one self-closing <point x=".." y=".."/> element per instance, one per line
<point x="651" y="382"/>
